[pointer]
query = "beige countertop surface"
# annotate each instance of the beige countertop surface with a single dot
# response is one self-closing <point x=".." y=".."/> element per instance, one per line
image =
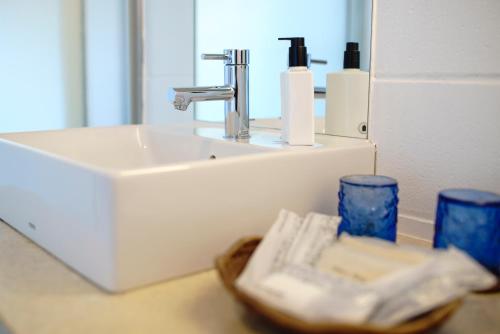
<point x="40" y="295"/>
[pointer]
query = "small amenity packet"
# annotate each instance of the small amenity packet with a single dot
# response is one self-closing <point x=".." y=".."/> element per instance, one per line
<point x="301" y="268"/>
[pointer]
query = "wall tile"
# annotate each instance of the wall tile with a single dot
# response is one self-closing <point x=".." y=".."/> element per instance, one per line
<point x="105" y="63"/>
<point x="169" y="46"/>
<point x="433" y="135"/>
<point x="437" y="38"/>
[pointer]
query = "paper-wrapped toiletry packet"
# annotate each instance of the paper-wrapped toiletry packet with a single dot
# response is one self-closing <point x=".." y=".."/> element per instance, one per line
<point x="301" y="268"/>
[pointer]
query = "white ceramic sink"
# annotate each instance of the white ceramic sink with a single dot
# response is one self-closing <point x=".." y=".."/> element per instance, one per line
<point x="132" y="205"/>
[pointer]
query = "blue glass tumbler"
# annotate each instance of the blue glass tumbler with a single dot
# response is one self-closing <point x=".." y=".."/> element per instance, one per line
<point x="368" y="205"/>
<point x="470" y="220"/>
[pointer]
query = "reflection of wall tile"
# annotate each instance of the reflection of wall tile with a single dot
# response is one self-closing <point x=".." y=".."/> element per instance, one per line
<point x="434" y="135"/>
<point x="158" y="109"/>
<point x="169" y="29"/>
<point x="446" y="37"/>
<point x="168" y="57"/>
<point x="105" y="63"/>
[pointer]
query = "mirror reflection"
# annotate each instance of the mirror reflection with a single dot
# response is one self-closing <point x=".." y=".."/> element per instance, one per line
<point x="326" y="25"/>
<point x="76" y="63"/>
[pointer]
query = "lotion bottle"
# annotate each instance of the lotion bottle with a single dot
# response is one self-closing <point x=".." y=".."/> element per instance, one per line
<point x="297" y="96"/>
<point x="346" y="111"/>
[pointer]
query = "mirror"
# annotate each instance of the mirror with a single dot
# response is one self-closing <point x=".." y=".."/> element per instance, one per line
<point x="326" y="25"/>
<point x="79" y="63"/>
<point x="68" y="63"/>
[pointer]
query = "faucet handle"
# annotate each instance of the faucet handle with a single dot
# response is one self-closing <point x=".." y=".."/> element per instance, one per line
<point x="214" y="56"/>
<point x="319" y="61"/>
<point x="311" y="60"/>
<point x="230" y="56"/>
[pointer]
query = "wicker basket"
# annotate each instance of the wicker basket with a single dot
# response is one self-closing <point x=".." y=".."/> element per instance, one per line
<point x="231" y="264"/>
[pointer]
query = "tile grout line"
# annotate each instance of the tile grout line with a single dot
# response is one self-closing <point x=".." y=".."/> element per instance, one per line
<point x="445" y="79"/>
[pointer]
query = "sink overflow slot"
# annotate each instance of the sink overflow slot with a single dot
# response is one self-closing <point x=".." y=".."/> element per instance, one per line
<point x="32" y="226"/>
<point x="212" y="157"/>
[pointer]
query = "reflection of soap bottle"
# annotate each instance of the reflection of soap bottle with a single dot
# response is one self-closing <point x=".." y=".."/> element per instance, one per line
<point x="347" y="98"/>
<point x="297" y="96"/>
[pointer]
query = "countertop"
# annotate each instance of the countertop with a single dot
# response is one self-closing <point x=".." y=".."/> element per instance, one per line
<point x="39" y="294"/>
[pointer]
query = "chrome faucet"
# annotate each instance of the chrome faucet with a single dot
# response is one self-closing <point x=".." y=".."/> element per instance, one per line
<point x="234" y="92"/>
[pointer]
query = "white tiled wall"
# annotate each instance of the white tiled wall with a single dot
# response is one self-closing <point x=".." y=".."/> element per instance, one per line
<point x="105" y="62"/>
<point x="168" y="57"/>
<point x="435" y="100"/>
<point x="40" y="65"/>
<point x="437" y="38"/>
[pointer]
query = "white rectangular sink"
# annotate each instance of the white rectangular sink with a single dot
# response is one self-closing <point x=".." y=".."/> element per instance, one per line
<point x="133" y="205"/>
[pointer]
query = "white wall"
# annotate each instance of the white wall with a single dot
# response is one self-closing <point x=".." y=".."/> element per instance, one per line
<point x="40" y="65"/>
<point x="106" y="62"/>
<point x="435" y="100"/>
<point x="168" y="57"/>
<point x="53" y="73"/>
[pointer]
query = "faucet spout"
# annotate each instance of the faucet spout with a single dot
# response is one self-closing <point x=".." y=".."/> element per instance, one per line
<point x="182" y="97"/>
<point x="234" y="93"/>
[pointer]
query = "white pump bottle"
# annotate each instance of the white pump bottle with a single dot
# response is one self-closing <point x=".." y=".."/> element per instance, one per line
<point x="347" y="98"/>
<point x="297" y="96"/>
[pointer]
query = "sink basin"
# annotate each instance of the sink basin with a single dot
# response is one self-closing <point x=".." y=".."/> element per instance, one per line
<point x="132" y="205"/>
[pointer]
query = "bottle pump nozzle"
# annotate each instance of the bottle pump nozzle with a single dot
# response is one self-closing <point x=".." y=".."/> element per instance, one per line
<point x="297" y="52"/>
<point x="351" y="55"/>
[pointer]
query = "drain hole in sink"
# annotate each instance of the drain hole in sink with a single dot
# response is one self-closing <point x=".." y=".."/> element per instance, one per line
<point x="212" y="157"/>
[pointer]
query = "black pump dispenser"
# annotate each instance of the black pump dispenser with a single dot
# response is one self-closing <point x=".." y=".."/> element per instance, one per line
<point x="297" y="52"/>
<point x="351" y="55"/>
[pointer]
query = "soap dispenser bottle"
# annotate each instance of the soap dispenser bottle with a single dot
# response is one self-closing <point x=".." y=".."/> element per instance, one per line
<point x="297" y="96"/>
<point x="346" y="111"/>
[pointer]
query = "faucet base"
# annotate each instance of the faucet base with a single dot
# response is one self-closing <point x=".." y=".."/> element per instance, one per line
<point x="238" y="138"/>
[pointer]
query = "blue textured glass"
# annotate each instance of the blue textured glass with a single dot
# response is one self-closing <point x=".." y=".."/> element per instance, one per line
<point x="368" y="205"/>
<point x="470" y="220"/>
